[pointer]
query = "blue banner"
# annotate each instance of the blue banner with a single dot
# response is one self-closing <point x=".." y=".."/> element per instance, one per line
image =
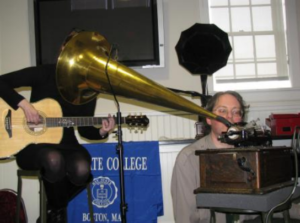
<point x="143" y="186"/>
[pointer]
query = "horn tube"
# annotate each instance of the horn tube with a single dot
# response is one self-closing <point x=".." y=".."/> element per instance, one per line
<point x="81" y="75"/>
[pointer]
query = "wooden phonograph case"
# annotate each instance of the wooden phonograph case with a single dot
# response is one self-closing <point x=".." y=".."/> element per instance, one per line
<point x="244" y="170"/>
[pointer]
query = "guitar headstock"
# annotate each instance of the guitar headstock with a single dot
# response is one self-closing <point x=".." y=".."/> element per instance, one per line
<point x="137" y="121"/>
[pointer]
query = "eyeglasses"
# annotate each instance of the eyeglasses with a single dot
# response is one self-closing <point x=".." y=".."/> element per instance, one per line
<point x="223" y="111"/>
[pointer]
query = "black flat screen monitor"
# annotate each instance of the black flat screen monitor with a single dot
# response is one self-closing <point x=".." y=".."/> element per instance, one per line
<point x="131" y="26"/>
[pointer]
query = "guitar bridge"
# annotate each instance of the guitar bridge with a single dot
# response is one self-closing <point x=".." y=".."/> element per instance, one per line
<point x="8" y="123"/>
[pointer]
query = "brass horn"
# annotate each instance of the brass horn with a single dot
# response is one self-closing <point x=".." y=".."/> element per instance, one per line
<point x="81" y="75"/>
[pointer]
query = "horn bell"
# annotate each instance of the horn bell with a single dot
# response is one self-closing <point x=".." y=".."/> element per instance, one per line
<point x="82" y="69"/>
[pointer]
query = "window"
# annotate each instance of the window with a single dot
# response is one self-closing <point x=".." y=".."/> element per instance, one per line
<point x="257" y="34"/>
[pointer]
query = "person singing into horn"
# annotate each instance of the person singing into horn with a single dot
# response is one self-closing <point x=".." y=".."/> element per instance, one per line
<point x="186" y="175"/>
<point x="65" y="166"/>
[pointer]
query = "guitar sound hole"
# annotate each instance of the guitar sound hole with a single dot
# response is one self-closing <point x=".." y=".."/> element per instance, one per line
<point x="36" y="129"/>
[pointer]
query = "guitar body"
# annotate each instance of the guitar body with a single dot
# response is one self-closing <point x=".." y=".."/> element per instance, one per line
<point x="16" y="133"/>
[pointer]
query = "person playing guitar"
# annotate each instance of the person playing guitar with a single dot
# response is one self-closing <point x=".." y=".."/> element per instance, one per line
<point x="65" y="165"/>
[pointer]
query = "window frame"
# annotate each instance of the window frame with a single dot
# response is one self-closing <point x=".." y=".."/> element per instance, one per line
<point x="292" y="47"/>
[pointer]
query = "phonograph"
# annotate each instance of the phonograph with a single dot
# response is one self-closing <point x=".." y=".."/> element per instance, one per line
<point x="254" y="166"/>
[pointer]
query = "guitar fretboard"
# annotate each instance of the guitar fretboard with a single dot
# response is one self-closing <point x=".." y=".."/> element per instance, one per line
<point x="75" y="121"/>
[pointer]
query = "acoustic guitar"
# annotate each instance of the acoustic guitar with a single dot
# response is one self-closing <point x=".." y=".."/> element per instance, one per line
<point x="16" y="132"/>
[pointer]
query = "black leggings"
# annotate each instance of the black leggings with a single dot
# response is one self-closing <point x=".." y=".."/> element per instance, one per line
<point x="65" y="169"/>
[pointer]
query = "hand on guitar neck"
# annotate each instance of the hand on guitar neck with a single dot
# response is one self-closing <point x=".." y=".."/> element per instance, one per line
<point x="107" y="125"/>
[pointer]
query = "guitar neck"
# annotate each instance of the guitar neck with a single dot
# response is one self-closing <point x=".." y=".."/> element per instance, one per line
<point x="76" y="121"/>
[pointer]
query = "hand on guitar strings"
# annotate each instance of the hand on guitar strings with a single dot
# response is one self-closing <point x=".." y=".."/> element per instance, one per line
<point x="31" y="114"/>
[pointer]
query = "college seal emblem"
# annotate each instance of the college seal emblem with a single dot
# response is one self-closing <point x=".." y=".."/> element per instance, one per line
<point x="104" y="192"/>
